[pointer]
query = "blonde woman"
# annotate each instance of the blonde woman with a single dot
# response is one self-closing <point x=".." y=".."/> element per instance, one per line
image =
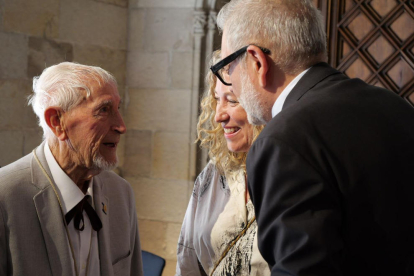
<point x="219" y="233"/>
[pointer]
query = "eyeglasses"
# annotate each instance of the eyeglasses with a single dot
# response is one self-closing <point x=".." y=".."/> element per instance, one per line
<point x="222" y="73"/>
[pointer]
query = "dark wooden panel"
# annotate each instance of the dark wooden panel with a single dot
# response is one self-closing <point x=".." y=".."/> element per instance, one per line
<point x="373" y="40"/>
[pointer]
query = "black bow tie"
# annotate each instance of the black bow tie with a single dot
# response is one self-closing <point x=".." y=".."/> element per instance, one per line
<point x="77" y="211"/>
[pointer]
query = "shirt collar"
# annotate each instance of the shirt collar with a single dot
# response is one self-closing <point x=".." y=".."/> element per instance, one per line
<point x="68" y="190"/>
<point x="278" y="105"/>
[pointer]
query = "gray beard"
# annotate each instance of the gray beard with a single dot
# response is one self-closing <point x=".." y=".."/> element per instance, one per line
<point x="249" y="100"/>
<point x="99" y="163"/>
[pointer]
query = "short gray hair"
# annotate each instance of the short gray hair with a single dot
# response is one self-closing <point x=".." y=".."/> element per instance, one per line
<point x="292" y="30"/>
<point x="61" y="85"/>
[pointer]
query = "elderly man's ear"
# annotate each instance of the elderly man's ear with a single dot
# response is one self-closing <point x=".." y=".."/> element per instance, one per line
<point x="54" y="121"/>
<point x="259" y="64"/>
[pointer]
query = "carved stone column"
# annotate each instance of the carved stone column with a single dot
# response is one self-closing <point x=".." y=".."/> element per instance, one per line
<point x="200" y="21"/>
<point x="209" y="44"/>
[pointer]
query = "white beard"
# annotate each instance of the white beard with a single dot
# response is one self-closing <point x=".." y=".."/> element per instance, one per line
<point x="249" y="100"/>
<point x="100" y="163"/>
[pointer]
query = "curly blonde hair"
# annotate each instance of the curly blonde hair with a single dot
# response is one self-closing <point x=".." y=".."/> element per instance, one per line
<point x="210" y="134"/>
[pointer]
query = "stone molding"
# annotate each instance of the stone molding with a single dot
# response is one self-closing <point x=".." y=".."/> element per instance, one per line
<point x="212" y="20"/>
<point x="203" y="19"/>
<point x="200" y="21"/>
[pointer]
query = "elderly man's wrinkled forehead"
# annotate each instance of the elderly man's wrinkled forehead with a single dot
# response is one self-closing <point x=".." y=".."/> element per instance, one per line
<point x="92" y="86"/>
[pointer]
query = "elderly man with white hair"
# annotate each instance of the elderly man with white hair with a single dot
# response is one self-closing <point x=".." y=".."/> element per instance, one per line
<point x="331" y="174"/>
<point x="62" y="211"/>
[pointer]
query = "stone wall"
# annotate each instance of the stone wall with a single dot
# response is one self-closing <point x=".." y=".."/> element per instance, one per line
<point x="158" y="116"/>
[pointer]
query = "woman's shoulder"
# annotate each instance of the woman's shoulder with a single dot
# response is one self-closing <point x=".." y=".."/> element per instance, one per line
<point x="209" y="176"/>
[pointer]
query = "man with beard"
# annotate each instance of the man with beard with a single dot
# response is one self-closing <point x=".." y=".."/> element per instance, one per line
<point x="331" y="175"/>
<point x="62" y="211"/>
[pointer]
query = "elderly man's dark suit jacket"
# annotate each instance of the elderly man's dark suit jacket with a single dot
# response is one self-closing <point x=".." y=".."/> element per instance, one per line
<point x="332" y="180"/>
<point x="33" y="239"/>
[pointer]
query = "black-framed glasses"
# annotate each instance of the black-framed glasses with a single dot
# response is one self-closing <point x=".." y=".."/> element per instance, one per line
<point x="219" y="70"/>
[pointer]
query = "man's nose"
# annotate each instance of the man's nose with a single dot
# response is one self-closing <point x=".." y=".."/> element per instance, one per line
<point x="119" y="124"/>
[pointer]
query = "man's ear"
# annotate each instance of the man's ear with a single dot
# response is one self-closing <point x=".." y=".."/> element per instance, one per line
<point x="53" y="119"/>
<point x="260" y="64"/>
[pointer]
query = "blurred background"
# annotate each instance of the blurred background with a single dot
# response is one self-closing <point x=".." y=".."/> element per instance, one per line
<point x="158" y="51"/>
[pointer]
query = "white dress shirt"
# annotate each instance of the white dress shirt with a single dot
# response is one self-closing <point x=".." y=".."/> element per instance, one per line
<point x="70" y="196"/>
<point x="278" y="105"/>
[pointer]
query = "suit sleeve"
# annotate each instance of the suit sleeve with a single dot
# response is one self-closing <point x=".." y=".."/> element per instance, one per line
<point x="297" y="210"/>
<point x="3" y="247"/>
<point x="136" y="258"/>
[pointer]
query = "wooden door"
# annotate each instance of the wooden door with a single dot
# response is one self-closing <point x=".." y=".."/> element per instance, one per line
<point x="373" y="40"/>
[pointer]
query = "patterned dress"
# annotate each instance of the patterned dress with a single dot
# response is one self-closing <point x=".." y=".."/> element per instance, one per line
<point x="215" y="216"/>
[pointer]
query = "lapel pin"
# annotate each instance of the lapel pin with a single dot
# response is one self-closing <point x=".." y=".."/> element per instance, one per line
<point x="104" y="208"/>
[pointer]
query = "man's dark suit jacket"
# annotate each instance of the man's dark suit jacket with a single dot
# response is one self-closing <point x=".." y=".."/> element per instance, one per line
<point x="332" y="180"/>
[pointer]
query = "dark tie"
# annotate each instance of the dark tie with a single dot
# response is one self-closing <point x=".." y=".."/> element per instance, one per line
<point x="77" y="211"/>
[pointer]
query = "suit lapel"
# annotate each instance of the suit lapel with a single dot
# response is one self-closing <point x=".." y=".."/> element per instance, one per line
<point x="102" y="206"/>
<point x="316" y="74"/>
<point x="51" y="219"/>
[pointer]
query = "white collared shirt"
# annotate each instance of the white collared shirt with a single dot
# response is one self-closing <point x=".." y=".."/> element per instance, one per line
<point x="71" y="195"/>
<point x="278" y="105"/>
